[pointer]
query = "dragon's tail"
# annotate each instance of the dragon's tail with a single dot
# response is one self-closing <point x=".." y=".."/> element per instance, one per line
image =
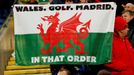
<point x="84" y="30"/>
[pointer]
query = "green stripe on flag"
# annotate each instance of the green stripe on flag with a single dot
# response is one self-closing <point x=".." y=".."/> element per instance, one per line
<point x="28" y="46"/>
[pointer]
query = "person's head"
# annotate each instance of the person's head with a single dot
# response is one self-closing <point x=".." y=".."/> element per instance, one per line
<point x="50" y="1"/>
<point x="129" y="6"/>
<point x="64" y="72"/>
<point x="33" y="1"/>
<point x="104" y="72"/>
<point x="68" y="1"/>
<point x="83" y="1"/>
<point x="128" y="15"/>
<point x="121" y="26"/>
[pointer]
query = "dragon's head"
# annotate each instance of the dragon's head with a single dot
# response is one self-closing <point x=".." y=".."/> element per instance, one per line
<point x="51" y="18"/>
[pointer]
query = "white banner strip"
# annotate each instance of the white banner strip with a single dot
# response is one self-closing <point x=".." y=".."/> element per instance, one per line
<point x="27" y="17"/>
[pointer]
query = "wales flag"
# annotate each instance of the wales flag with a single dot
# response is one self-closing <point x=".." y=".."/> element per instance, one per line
<point x="64" y="34"/>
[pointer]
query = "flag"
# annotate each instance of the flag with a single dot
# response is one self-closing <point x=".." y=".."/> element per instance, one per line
<point x="64" y="34"/>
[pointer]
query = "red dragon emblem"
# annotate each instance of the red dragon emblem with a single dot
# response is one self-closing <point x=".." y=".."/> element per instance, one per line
<point x="64" y="31"/>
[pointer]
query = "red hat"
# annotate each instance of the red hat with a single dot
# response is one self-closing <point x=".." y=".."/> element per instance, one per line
<point x="120" y="23"/>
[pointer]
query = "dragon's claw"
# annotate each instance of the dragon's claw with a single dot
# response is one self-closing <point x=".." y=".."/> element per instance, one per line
<point x="62" y="50"/>
<point x="43" y="51"/>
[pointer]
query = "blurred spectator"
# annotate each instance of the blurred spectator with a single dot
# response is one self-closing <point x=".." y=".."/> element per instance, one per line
<point x="97" y="1"/>
<point x="76" y="1"/>
<point x="129" y="17"/>
<point x="68" y="1"/>
<point x="83" y="1"/>
<point x="104" y="72"/>
<point x="129" y="6"/>
<point x="23" y="1"/>
<point x="44" y="2"/>
<point x="122" y="52"/>
<point x="64" y="72"/>
<point x="74" y="69"/>
<point x="50" y="1"/>
<point x="58" y="2"/>
<point x="32" y="2"/>
<point x="120" y="4"/>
